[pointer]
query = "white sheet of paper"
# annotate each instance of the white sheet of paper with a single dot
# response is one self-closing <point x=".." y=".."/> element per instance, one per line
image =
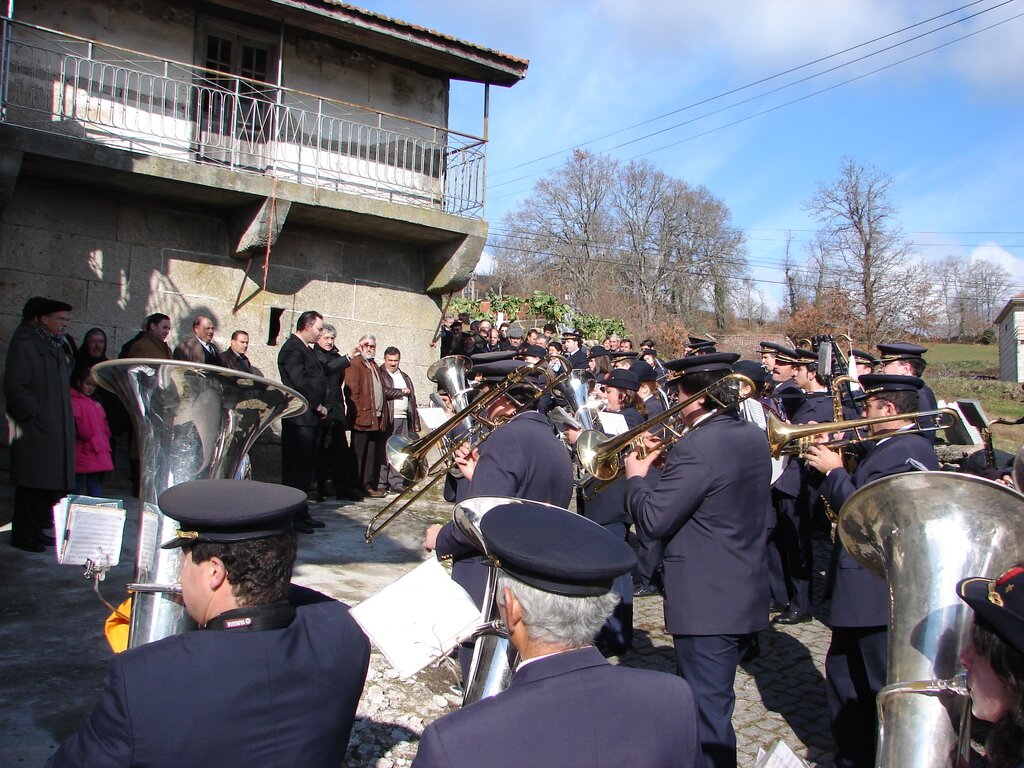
<point x="613" y="423"/>
<point x="417" y="619"/>
<point x="780" y="755"/>
<point x="93" y="533"/>
<point x="432" y="418"/>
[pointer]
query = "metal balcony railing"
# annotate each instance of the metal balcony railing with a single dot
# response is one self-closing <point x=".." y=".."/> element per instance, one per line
<point x="71" y="86"/>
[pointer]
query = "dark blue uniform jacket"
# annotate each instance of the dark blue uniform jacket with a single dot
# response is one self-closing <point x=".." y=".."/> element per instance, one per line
<point x="571" y="710"/>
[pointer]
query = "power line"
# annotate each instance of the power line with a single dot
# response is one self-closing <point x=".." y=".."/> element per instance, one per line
<point x="738" y="89"/>
<point x="784" y="104"/>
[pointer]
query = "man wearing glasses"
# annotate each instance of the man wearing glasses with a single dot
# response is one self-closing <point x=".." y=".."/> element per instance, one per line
<point x="369" y="418"/>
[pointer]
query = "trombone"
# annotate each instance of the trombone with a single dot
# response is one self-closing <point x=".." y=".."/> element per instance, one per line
<point x="409" y="459"/>
<point x="601" y="456"/>
<point x="794" y="439"/>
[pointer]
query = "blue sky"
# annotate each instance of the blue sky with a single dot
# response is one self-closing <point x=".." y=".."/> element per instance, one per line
<point x="946" y="125"/>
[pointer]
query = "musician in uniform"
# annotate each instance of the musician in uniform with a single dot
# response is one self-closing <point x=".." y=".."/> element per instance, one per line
<point x="523" y="458"/>
<point x="566" y="706"/>
<point x="271" y="678"/>
<point x="574" y="352"/>
<point x="786" y="392"/>
<point x="904" y="359"/>
<point x="855" y="665"/>
<point x="709" y="508"/>
<point x="795" y="515"/>
<point x="864" y="362"/>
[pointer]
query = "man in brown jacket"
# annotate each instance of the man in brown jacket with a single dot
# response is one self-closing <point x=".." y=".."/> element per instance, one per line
<point x="367" y="390"/>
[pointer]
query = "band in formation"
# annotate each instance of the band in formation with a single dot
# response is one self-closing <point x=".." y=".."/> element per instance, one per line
<point x="721" y="467"/>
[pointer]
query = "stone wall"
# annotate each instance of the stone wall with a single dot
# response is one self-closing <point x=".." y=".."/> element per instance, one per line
<point x="117" y="258"/>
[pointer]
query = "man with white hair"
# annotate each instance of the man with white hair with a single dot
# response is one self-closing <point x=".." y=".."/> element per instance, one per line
<point x="566" y="705"/>
<point x="369" y="420"/>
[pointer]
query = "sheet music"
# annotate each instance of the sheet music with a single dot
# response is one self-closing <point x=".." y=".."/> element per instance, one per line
<point x="780" y="755"/>
<point x="613" y="423"/>
<point x="432" y="418"/>
<point x="149" y="522"/>
<point x="562" y="419"/>
<point x="417" y="619"/>
<point x="93" y="533"/>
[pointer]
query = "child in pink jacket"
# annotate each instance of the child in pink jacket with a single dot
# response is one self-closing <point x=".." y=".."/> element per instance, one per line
<point x="92" y="446"/>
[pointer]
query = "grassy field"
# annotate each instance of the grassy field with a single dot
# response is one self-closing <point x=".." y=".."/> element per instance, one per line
<point x="951" y="372"/>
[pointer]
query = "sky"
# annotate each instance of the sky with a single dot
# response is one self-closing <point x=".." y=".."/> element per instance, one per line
<point x="940" y="114"/>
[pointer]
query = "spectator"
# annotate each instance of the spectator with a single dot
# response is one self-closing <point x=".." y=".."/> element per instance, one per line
<point x="402" y="415"/>
<point x="482" y="343"/>
<point x="42" y="453"/>
<point x="234" y="356"/>
<point x="336" y="459"/>
<point x="93" y="352"/>
<point x="92" y="435"/>
<point x="93" y="349"/>
<point x="369" y="422"/>
<point x="152" y="342"/>
<point x="199" y="348"/>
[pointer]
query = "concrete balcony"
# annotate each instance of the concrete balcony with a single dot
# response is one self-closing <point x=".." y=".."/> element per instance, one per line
<point x="112" y="97"/>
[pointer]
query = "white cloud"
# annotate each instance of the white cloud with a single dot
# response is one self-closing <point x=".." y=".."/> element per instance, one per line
<point x="996" y="254"/>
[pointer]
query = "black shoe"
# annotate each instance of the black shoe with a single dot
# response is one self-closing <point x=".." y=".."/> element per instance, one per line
<point x="776" y="607"/>
<point x="350" y="496"/>
<point x="312" y="522"/>
<point x="793" y="617"/>
<point x="301" y="527"/>
<point x="28" y="546"/>
<point x="644" y="592"/>
<point x="315" y="497"/>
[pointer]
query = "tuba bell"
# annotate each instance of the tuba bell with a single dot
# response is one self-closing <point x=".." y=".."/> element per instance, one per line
<point x="192" y="421"/>
<point x="924" y="532"/>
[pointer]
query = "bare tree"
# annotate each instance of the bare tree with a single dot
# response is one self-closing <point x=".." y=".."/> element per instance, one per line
<point x="862" y="242"/>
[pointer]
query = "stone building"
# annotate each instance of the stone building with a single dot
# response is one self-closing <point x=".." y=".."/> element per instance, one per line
<point x="243" y="159"/>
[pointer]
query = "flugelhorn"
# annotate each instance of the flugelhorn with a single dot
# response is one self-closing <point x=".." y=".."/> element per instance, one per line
<point x="794" y="439"/>
<point x="601" y="456"/>
<point x="414" y="455"/>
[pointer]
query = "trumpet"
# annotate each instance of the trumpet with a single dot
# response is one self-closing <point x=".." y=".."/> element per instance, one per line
<point x="601" y="456"/>
<point x="409" y="459"/>
<point x="794" y="439"/>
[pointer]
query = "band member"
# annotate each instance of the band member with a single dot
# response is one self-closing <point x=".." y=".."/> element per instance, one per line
<point x="709" y="509"/>
<point x="994" y="660"/>
<point x="786" y="392"/>
<point x="574" y="352"/>
<point x="855" y="665"/>
<point x="699" y="346"/>
<point x="566" y="706"/>
<point x="274" y="673"/>
<point x="903" y="359"/>
<point x="523" y="458"/>
<point x="795" y="515"/>
<point x="864" y="362"/>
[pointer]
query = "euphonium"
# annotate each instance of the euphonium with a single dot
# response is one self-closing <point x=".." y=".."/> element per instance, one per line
<point x="795" y="439"/>
<point x="601" y="456"/>
<point x="924" y="532"/>
<point x="192" y="421"/>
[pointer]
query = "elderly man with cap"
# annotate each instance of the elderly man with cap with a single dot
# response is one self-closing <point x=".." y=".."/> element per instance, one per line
<point x="37" y="390"/>
<point x="271" y="678"/>
<point x="709" y="507"/>
<point x="855" y="666"/>
<point x="905" y="359"/>
<point x="522" y="458"/>
<point x="566" y="706"/>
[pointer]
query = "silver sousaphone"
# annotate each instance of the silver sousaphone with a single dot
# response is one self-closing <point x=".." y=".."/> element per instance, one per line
<point x="192" y="421"/>
<point x="923" y="532"/>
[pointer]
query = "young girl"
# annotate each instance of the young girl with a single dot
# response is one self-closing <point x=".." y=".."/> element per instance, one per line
<point x="92" y="444"/>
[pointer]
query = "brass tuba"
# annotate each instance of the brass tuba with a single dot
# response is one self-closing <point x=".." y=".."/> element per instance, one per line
<point x="192" y="421"/>
<point x="923" y="532"/>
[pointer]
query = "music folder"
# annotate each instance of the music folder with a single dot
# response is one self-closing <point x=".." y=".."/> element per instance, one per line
<point x="88" y="530"/>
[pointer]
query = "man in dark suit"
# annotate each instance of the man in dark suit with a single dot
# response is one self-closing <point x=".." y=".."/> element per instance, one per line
<point x="300" y="370"/>
<point x="199" y="348"/>
<point x="272" y="677"/>
<point x="234" y="356"/>
<point x="566" y="705"/>
<point x="855" y="666"/>
<point x="573" y="351"/>
<point x="523" y="459"/>
<point x="709" y="507"/>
